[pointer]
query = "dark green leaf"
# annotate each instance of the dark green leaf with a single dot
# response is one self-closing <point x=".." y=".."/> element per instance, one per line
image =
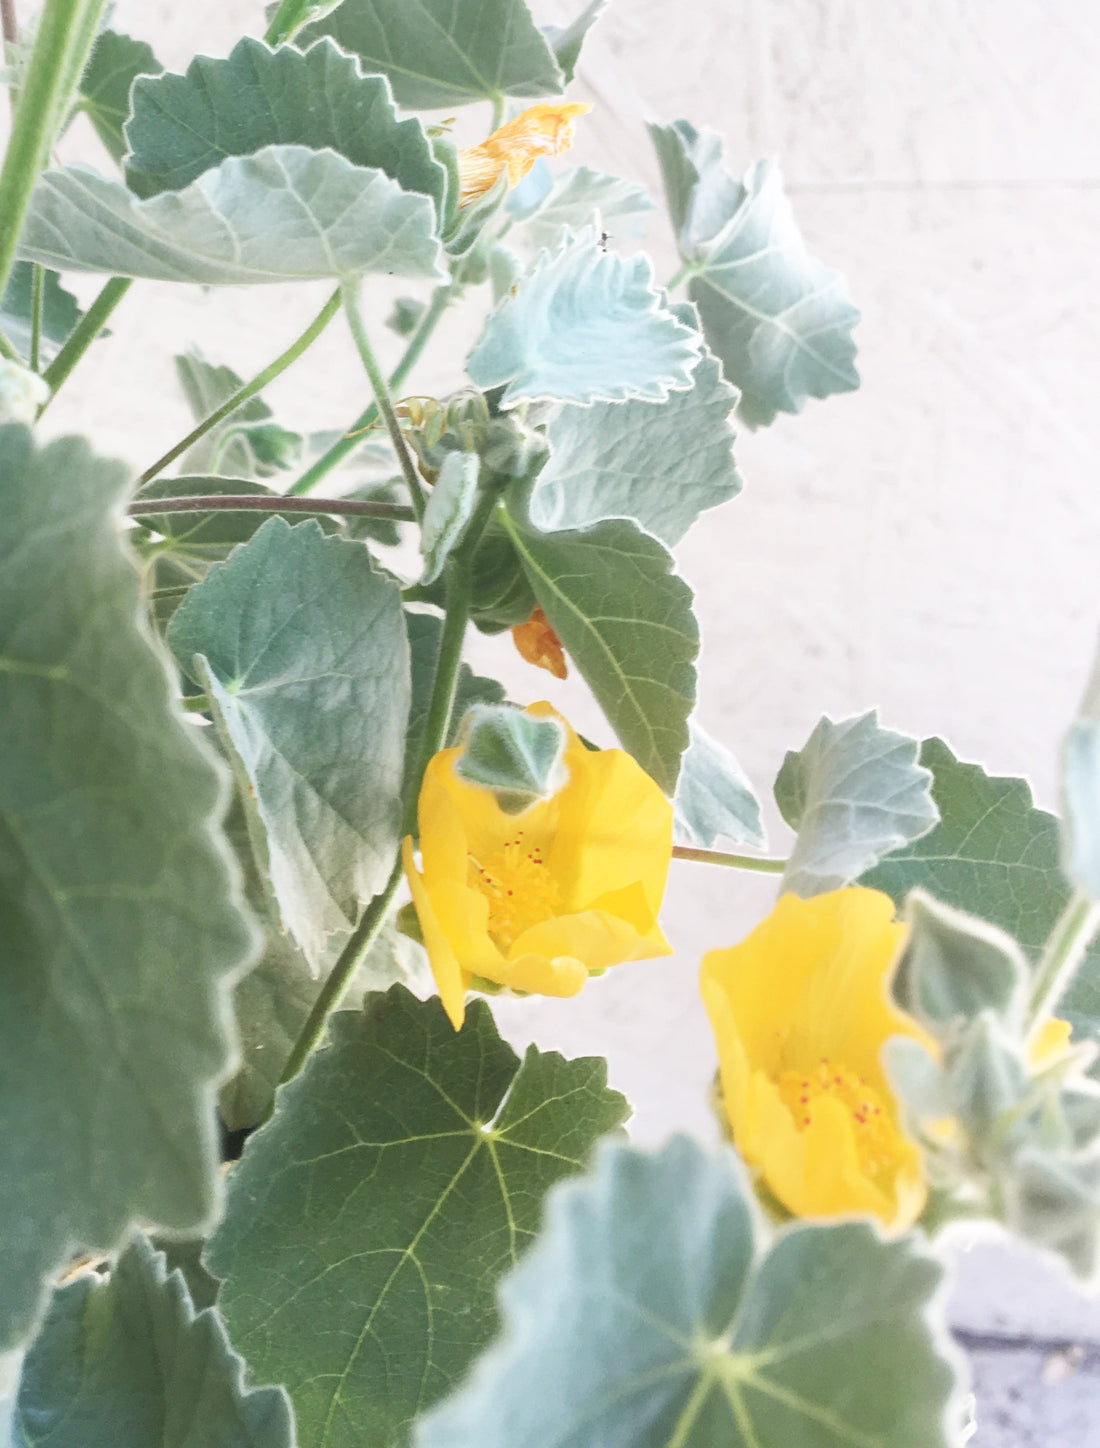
<point x="122" y="929"/>
<point x="446" y="52"/>
<point x="304" y="656"/>
<point x="502" y="595"/>
<point x="369" y="1221"/>
<point x="776" y="317"/>
<point x="114" y="64"/>
<point x="997" y="856"/>
<point x="650" y="1314"/>
<point x="185" y="124"/>
<point x="60" y="312"/>
<point x="125" y="1362"/>
<point x="625" y="619"/>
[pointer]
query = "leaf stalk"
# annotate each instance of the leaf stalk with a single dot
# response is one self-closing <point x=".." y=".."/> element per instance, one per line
<point x="83" y="335"/>
<point x="1064" y="952"/>
<point x="273" y="503"/>
<point x="755" y="863"/>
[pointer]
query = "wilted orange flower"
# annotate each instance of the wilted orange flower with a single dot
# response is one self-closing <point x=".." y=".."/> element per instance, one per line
<point x="537" y="131"/>
<point x="539" y="644"/>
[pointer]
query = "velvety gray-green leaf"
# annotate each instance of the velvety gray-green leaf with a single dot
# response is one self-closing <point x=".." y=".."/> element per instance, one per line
<point x="779" y="320"/>
<point x="125" y="1361"/>
<point x="661" y="465"/>
<point x="566" y="41"/>
<point x="450" y="508"/>
<point x="654" y="1313"/>
<point x="993" y="854"/>
<point x="584" y="325"/>
<point x="60" y="311"/>
<point x="114" y="64"/>
<point x="576" y="198"/>
<point x="207" y="385"/>
<point x="185" y="124"/>
<point x="955" y="966"/>
<point x="402" y="1173"/>
<point x="446" y="52"/>
<point x="284" y="214"/>
<point x="515" y="755"/>
<point x="626" y="621"/>
<point x="425" y="630"/>
<point x="854" y="792"/>
<point x="120" y="916"/>
<point x="304" y="653"/>
<point x="1081" y="792"/>
<point x="714" y="799"/>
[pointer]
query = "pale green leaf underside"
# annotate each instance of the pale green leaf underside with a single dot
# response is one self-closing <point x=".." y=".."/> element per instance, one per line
<point x="446" y="52"/>
<point x="567" y="41"/>
<point x="121" y="925"/>
<point x="584" y="325"/>
<point x="185" y="124"/>
<point x="545" y="205"/>
<point x="450" y="507"/>
<point x="649" y="1314"/>
<point x="629" y="459"/>
<point x="854" y="792"/>
<point x="284" y="214"/>
<point x="304" y="648"/>
<point x="1081" y="796"/>
<point x="714" y="799"/>
<point x="126" y="1362"/>
<point x="779" y="320"/>
<point x="994" y="854"/>
<point x="626" y="621"/>
<point x="376" y="1202"/>
<point x="113" y="66"/>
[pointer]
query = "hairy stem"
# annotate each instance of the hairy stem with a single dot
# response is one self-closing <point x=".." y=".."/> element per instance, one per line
<point x="65" y="34"/>
<point x="249" y="390"/>
<point x="1064" y="952"/>
<point x="350" y="293"/>
<point x="686" y="272"/>
<point x="83" y="335"/>
<point x="7" y="349"/>
<point x="287" y="21"/>
<point x="735" y="862"/>
<point x="38" y="280"/>
<point x="273" y="503"/>
<point x="441" y="300"/>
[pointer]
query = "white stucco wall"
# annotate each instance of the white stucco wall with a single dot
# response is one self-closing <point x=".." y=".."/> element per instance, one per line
<point x="928" y="544"/>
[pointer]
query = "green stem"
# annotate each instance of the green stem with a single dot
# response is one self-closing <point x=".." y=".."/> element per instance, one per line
<point x="269" y="503"/>
<point x="287" y="21"/>
<point x="498" y="114"/>
<point x="735" y="862"/>
<point x="84" y="334"/>
<point x="65" y="34"/>
<point x="686" y="272"/>
<point x="441" y="704"/>
<point x="38" y="279"/>
<point x="339" y="978"/>
<point x="1063" y="953"/>
<point x="250" y="389"/>
<point x="339" y="450"/>
<point x="350" y="292"/>
<point x="7" y="349"/>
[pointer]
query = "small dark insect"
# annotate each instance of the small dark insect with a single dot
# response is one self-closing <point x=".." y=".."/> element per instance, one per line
<point x="605" y="237"/>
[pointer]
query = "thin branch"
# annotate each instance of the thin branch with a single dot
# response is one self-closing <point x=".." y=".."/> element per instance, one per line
<point x="273" y="503"/>
<point x="735" y="862"/>
<point x="9" y="25"/>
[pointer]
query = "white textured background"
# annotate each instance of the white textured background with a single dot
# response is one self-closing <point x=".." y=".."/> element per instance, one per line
<point x="928" y="545"/>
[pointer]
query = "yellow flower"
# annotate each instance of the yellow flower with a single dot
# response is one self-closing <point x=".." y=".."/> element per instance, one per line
<point x="539" y="644"/>
<point x="537" y="900"/>
<point x="800" y="1011"/>
<point x="537" y="131"/>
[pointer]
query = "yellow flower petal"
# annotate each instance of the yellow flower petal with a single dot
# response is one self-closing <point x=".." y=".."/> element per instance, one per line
<point x="1052" y="1041"/>
<point x="535" y="901"/>
<point x="538" y="131"/>
<point x="449" y="975"/>
<point x="800" y="1012"/>
<point x="538" y="644"/>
